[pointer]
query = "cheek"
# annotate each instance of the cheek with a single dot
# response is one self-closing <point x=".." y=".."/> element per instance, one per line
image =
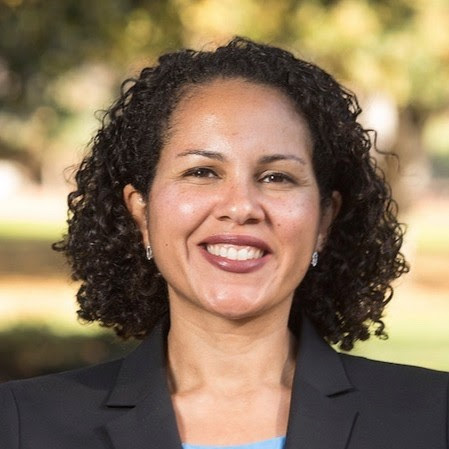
<point x="174" y="210"/>
<point x="296" y="218"/>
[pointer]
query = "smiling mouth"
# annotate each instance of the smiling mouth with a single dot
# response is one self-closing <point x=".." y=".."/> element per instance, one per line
<point x="235" y="252"/>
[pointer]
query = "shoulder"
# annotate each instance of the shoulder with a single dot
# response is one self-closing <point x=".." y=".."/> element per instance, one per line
<point x="373" y="370"/>
<point x="53" y="393"/>
<point x="43" y="410"/>
<point x="407" y="386"/>
<point x="98" y="378"/>
<point x="30" y="407"/>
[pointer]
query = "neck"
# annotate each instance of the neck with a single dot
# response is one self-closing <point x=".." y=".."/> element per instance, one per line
<point x="229" y="356"/>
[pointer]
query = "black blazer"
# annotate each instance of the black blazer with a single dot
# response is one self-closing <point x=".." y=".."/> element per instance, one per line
<point x="338" y="402"/>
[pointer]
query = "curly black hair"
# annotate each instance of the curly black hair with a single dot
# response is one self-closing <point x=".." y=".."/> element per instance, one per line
<point x="344" y="296"/>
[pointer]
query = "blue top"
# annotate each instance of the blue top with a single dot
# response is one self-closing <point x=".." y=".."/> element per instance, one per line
<point x="273" y="443"/>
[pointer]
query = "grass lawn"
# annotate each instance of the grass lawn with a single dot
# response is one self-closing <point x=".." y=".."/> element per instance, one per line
<point x="36" y="231"/>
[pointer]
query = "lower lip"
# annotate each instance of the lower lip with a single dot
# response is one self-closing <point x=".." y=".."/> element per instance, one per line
<point x="235" y="266"/>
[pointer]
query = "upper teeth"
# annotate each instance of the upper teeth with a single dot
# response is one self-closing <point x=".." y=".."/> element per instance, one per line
<point x="235" y="252"/>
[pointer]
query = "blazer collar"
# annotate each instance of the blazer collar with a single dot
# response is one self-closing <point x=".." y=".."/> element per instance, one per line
<point x="323" y="406"/>
<point x="318" y="364"/>
<point x="142" y="370"/>
<point x="322" y="412"/>
<point x="141" y="391"/>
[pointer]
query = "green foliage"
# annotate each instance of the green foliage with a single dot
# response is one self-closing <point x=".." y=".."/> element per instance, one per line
<point x="27" y="351"/>
<point x="61" y="60"/>
<point x="40" y="40"/>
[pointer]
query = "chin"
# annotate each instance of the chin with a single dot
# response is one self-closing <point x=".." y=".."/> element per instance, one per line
<point x="235" y="309"/>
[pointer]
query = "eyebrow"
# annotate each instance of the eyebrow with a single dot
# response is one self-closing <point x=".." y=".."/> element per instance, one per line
<point x="263" y="160"/>
<point x="281" y="157"/>
<point x="209" y="154"/>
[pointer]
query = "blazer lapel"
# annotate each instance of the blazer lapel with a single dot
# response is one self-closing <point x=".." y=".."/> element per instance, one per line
<point x="141" y="391"/>
<point x="322" y="413"/>
<point x="324" y="403"/>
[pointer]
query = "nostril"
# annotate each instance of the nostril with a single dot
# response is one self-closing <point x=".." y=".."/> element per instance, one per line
<point x="241" y="213"/>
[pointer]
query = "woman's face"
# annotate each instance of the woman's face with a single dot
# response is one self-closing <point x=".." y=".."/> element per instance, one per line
<point x="234" y="211"/>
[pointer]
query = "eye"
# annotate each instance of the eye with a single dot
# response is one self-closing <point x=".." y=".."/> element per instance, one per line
<point x="276" y="177"/>
<point x="200" y="172"/>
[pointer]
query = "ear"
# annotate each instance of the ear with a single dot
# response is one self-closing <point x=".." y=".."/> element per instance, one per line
<point x="137" y="208"/>
<point x="328" y="216"/>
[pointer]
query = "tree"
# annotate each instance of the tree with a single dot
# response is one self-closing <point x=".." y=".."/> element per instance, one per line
<point x="54" y="56"/>
<point x="52" y="51"/>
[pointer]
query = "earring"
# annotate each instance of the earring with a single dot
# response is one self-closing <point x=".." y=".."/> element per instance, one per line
<point x="149" y="252"/>
<point x="314" y="261"/>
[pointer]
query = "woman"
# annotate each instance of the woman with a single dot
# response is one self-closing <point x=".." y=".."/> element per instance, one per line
<point x="230" y="214"/>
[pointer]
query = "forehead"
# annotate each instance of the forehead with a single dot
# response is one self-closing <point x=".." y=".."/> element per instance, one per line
<point x="222" y="92"/>
<point x="237" y="106"/>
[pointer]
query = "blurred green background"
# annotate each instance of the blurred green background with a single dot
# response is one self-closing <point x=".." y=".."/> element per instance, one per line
<point x="61" y="61"/>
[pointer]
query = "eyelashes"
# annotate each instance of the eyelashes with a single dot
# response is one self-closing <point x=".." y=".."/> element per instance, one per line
<point x="200" y="172"/>
<point x="278" y="178"/>
<point x="267" y="177"/>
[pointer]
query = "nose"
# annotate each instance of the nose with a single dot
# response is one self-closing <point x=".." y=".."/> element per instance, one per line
<point x="240" y="202"/>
